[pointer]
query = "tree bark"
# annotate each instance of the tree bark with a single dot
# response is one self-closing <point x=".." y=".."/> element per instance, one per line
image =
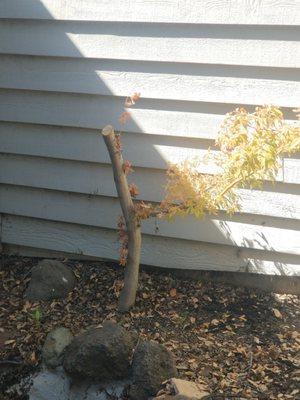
<point x="128" y="293"/>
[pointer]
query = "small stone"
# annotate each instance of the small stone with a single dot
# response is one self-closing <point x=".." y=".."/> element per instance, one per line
<point x="188" y="389"/>
<point x="56" y="342"/>
<point x="152" y="365"/>
<point x="50" y="279"/>
<point x="100" y="354"/>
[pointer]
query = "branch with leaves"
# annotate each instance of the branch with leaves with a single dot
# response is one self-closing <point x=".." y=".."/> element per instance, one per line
<point x="251" y="149"/>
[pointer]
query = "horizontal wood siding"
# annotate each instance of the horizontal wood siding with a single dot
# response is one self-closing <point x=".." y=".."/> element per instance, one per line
<point x="182" y="43"/>
<point x="201" y="83"/>
<point x="157" y="251"/>
<point x="153" y="116"/>
<point x="257" y="232"/>
<point x="95" y="179"/>
<point x="65" y="68"/>
<point x="266" y="12"/>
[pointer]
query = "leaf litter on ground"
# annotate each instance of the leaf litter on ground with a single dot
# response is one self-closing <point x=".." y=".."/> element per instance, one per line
<point x="242" y="343"/>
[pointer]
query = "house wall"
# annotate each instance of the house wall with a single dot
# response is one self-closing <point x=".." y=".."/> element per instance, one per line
<point x="65" y="67"/>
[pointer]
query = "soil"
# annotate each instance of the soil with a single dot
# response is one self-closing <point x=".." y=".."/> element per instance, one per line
<point x="244" y="344"/>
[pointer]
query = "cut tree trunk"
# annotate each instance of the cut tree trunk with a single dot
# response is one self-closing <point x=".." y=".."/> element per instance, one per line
<point x="128" y="293"/>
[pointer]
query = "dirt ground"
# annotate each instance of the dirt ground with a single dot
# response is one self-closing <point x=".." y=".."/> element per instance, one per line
<point x="243" y="343"/>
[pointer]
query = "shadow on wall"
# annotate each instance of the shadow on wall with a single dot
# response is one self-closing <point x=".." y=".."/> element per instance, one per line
<point x="91" y="83"/>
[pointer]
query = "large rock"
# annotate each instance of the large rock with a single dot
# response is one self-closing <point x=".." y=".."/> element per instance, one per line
<point x="101" y="354"/>
<point x="152" y="365"/>
<point x="56" y="342"/>
<point x="50" y="279"/>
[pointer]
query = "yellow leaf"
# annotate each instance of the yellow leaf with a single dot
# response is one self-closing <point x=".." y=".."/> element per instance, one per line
<point x="173" y="292"/>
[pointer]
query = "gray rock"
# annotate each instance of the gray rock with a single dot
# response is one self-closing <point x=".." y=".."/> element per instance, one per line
<point x="50" y="279"/>
<point x="56" y="342"/>
<point x="152" y="365"/>
<point x="50" y="385"/>
<point x="89" y="391"/>
<point x="100" y="354"/>
<point x="55" y="385"/>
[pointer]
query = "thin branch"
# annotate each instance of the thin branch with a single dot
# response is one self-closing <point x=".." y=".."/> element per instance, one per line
<point x="119" y="176"/>
<point x="11" y="362"/>
<point x="230" y="186"/>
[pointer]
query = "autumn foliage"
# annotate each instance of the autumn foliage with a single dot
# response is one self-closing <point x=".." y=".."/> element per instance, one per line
<point x="247" y="151"/>
<point x="251" y="149"/>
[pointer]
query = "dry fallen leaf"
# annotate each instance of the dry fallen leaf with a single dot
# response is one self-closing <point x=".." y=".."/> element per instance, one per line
<point x="225" y="355"/>
<point x="33" y="357"/>
<point x="277" y="313"/>
<point x="11" y="341"/>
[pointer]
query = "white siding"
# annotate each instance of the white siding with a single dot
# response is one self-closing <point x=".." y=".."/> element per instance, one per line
<point x="256" y="12"/>
<point x="181" y="43"/>
<point x="200" y="83"/>
<point x="65" y="68"/>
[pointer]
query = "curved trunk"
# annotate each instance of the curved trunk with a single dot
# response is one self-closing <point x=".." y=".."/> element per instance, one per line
<point x="128" y="294"/>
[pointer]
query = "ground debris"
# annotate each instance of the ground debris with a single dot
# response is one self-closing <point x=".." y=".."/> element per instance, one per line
<point x="243" y="344"/>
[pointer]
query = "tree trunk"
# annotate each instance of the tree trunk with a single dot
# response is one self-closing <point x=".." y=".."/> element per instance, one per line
<point x="128" y="294"/>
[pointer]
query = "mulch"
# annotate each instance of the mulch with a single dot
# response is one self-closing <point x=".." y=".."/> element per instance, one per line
<point x="243" y="343"/>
